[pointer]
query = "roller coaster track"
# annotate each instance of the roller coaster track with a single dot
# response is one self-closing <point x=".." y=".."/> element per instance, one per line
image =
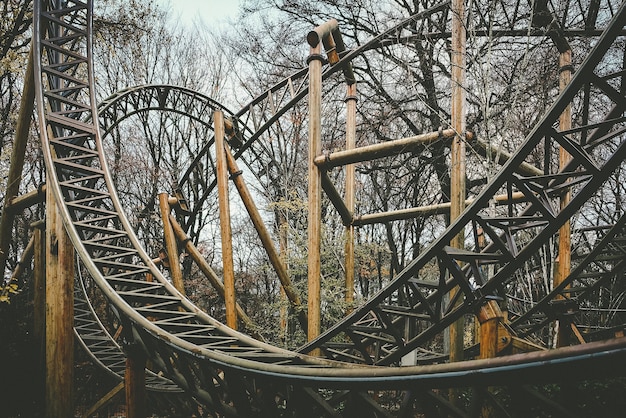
<point x="235" y="375"/>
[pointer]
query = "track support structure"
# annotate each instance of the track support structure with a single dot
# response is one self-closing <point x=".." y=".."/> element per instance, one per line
<point x="59" y="315"/>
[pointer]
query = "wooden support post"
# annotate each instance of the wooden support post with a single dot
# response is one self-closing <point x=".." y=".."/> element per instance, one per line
<point x="282" y="242"/>
<point x="170" y="244"/>
<point x="457" y="164"/>
<point x="104" y="400"/>
<point x="351" y="101"/>
<point x="225" y="228"/>
<point x="314" y="194"/>
<point x="39" y="309"/>
<point x="494" y="336"/>
<point x="39" y="284"/>
<point x="59" y="315"/>
<point x="135" y="383"/>
<point x="565" y="244"/>
<point x="457" y="151"/>
<point x="17" y="272"/>
<point x="206" y="269"/>
<point x="17" y="159"/>
<point x="266" y="239"/>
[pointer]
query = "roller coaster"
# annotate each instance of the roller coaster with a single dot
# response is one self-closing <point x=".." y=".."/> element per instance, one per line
<point x="199" y="364"/>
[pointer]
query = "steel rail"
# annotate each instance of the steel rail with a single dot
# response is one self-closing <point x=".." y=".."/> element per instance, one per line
<point x="295" y="88"/>
<point x="186" y="102"/>
<point x="266" y="106"/>
<point x="101" y="346"/>
<point x="604" y="262"/>
<point x="371" y="333"/>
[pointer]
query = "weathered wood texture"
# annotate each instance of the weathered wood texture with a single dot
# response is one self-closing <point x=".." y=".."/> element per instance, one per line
<point x="225" y="227"/>
<point x="59" y="315"/>
<point x="314" y="194"/>
<point x="170" y="244"/>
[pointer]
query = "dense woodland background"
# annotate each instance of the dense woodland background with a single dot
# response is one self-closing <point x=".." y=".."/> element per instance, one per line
<point x="403" y="91"/>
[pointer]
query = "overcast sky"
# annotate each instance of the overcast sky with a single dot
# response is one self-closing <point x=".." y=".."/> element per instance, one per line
<point x="211" y="12"/>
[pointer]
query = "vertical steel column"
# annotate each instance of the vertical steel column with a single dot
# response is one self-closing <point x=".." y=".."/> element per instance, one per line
<point x="351" y="101"/>
<point x="59" y="315"/>
<point x="225" y="228"/>
<point x="314" y="193"/>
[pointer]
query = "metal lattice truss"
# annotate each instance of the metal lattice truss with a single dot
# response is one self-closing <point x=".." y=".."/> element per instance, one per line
<point x="235" y="375"/>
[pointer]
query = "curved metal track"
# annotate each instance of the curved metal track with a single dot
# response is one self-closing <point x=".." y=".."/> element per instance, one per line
<point x="516" y="19"/>
<point x="101" y="345"/>
<point x="235" y="375"/>
<point x="200" y="179"/>
<point x="89" y="329"/>
<point x="383" y="330"/>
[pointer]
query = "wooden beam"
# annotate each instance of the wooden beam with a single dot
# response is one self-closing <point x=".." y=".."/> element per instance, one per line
<point x="26" y="258"/>
<point x="225" y="227"/>
<point x="501" y="157"/>
<point x="23" y="201"/>
<point x="494" y="337"/>
<point x="457" y="157"/>
<point x="135" y="383"/>
<point x="320" y="32"/>
<point x="576" y="331"/>
<point x="564" y="259"/>
<point x="13" y="284"/>
<point x="351" y="102"/>
<point x="381" y="149"/>
<point x="105" y="400"/>
<point x="59" y="315"/>
<point x="403" y="145"/>
<point x="336" y="199"/>
<point x="14" y="176"/>
<point x="429" y="210"/>
<point x="211" y="275"/>
<point x="266" y="239"/>
<point x="314" y="195"/>
<point x="170" y="244"/>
